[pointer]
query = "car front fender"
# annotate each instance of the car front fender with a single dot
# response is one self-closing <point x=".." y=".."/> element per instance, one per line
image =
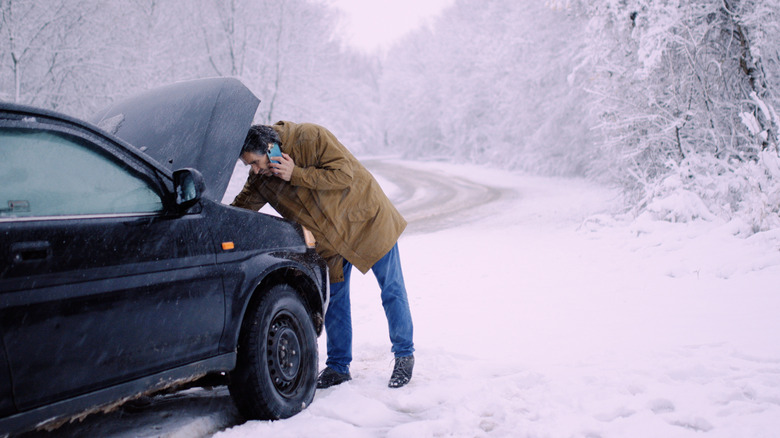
<point x="254" y="276"/>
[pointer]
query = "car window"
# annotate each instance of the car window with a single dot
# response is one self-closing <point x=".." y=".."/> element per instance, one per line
<point x="45" y="173"/>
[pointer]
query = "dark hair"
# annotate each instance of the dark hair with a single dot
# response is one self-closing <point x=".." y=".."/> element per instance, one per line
<point x="258" y="138"/>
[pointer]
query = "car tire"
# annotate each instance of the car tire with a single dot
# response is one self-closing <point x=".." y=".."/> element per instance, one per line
<point x="276" y="370"/>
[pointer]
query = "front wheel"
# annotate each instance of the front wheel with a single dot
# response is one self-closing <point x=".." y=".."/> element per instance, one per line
<point x="276" y="369"/>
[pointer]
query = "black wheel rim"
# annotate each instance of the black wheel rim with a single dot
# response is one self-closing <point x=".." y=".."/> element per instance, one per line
<point x="284" y="353"/>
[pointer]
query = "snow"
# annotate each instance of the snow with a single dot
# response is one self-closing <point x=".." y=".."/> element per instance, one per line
<point x="548" y="317"/>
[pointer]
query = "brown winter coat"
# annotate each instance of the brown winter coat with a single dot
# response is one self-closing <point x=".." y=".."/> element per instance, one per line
<point x="331" y="194"/>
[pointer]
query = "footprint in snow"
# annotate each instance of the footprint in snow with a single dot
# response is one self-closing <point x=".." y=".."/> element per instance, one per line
<point x="661" y="406"/>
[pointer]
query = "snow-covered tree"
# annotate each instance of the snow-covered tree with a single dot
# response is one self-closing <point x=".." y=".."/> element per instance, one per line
<point x="488" y="81"/>
<point x="685" y="105"/>
<point x="42" y="49"/>
<point x="78" y="55"/>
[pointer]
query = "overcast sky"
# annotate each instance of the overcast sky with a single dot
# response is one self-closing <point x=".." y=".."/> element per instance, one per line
<point x="371" y="24"/>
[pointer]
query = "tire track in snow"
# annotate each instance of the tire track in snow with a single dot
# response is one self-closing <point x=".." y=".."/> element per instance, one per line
<point x="431" y="200"/>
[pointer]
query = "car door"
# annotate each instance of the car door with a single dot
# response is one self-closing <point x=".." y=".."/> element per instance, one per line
<point x="99" y="282"/>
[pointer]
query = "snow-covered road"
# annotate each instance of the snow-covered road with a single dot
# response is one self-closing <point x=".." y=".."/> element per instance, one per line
<point x="431" y="199"/>
<point x="538" y="316"/>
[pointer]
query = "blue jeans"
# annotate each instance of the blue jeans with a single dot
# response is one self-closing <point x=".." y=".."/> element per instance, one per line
<point x="338" y="318"/>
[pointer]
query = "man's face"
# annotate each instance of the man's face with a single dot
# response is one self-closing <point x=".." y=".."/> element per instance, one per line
<point x="259" y="162"/>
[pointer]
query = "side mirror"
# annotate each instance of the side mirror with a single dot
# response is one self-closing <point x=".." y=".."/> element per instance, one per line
<point x="189" y="186"/>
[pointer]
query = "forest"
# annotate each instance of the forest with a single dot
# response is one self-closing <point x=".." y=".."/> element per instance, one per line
<point x="674" y="102"/>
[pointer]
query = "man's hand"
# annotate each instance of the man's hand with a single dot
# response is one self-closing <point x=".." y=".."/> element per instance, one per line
<point x="285" y="167"/>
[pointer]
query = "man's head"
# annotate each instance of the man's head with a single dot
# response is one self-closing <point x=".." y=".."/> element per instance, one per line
<point x="258" y="140"/>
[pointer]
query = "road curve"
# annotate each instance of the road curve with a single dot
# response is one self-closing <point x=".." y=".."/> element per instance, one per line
<point x="431" y="200"/>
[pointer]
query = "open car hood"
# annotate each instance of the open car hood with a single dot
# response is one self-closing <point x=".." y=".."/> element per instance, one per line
<point x="200" y="124"/>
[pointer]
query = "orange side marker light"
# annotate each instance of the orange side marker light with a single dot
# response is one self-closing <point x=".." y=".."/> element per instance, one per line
<point x="227" y="246"/>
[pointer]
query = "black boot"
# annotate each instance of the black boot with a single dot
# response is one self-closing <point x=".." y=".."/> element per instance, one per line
<point x="402" y="372"/>
<point x="330" y="377"/>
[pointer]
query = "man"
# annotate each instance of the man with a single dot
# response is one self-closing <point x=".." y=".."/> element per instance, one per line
<point x="318" y="183"/>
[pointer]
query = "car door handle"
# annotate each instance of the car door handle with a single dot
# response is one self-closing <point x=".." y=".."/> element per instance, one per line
<point x="30" y="251"/>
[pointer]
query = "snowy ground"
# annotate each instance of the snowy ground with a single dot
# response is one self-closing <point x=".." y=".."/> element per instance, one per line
<point x="536" y="315"/>
<point x="546" y="319"/>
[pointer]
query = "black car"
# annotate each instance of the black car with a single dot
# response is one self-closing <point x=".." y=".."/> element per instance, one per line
<point x="121" y="277"/>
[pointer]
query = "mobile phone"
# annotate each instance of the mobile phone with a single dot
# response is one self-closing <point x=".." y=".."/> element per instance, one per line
<point x="274" y="151"/>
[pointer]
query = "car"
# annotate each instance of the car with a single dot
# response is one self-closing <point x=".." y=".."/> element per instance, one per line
<point x="123" y="274"/>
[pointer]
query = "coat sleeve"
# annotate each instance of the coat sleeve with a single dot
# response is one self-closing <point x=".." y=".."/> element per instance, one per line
<point x="249" y="198"/>
<point x="324" y="161"/>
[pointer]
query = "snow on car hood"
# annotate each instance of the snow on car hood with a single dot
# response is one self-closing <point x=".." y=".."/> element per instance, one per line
<point x="200" y="124"/>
